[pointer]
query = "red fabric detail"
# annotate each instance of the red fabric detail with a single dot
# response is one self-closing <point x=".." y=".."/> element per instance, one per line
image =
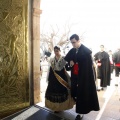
<point x="75" y="69"/>
<point x="118" y="64"/>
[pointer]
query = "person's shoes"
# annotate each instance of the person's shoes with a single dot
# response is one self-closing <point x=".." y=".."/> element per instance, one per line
<point x="98" y="90"/>
<point x="116" y="84"/>
<point x="75" y="98"/>
<point x="57" y="111"/>
<point x="79" y="117"/>
<point x="102" y="88"/>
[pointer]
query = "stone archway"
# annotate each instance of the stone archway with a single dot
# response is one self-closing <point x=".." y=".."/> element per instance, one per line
<point x="36" y="51"/>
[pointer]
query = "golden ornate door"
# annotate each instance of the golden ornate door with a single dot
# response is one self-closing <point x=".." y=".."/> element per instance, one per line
<point x="14" y="78"/>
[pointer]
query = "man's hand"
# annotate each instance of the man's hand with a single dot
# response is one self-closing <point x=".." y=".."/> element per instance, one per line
<point x="98" y="64"/>
<point x="71" y="63"/>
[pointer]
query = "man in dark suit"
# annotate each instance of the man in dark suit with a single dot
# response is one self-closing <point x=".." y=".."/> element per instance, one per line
<point x="83" y="89"/>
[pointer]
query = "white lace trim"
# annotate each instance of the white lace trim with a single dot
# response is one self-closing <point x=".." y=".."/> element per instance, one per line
<point x="58" y="65"/>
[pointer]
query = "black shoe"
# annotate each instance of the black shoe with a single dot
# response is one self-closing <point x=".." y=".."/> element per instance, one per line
<point x="79" y="117"/>
<point x="102" y="88"/>
<point x="98" y="90"/>
<point x="57" y="111"/>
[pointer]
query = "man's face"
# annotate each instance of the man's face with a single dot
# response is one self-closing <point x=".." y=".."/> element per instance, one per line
<point x="75" y="43"/>
<point x="101" y="48"/>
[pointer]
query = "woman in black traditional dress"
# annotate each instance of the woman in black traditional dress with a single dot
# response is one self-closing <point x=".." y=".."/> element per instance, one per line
<point x="57" y="97"/>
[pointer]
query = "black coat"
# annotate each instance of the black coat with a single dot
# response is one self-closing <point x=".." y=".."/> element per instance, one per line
<point x="103" y="71"/>
<point x="116" y="57"/>
<point x="83" y="85"/>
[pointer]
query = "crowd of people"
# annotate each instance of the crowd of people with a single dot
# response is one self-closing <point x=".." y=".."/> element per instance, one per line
<point x="80" y="88"/>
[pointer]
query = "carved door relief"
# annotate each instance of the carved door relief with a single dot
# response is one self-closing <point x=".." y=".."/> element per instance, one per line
<point x="14" y="78"/>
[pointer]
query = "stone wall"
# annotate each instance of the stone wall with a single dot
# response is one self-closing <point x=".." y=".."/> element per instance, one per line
<point x="36" y="50"/>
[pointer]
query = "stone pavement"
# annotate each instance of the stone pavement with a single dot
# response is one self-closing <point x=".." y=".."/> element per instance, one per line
<point x="109" y="101"/>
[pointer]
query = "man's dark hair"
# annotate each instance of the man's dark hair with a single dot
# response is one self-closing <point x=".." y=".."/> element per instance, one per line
<point x="74" y="36"/>
<point x="57" y="48"/>
<point x="101" y="45"/>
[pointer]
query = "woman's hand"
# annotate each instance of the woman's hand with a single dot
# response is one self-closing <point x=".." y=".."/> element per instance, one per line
<point x="71" y="63"/>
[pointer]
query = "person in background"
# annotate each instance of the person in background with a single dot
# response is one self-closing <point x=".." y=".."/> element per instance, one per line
<point x="40" y="68"/>
<point x="83" y="89"/>
<point x="111" y="62"/>
<point x="103" y="68"/>
<point x="116" y="60"/>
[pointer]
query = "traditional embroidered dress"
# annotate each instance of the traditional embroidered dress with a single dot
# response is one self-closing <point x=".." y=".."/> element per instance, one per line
<point x="57" y="96"/>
